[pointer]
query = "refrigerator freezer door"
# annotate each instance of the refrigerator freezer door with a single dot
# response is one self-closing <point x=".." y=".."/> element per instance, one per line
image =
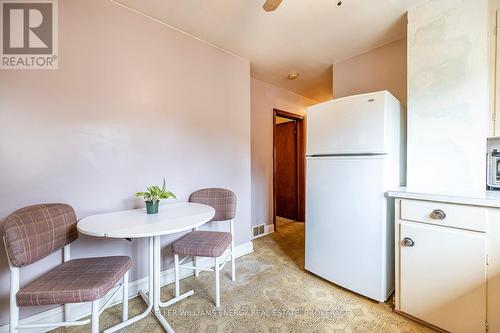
<point x="348" y="125"/>
<point x="347" y="229"/>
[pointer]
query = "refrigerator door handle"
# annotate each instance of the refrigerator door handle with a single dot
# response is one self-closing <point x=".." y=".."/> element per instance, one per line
<point x="346" y="155"/>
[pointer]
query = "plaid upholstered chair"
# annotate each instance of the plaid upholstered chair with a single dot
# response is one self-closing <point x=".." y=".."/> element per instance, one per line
<point x="213" y="244"/>
<point x="34" y="232"/>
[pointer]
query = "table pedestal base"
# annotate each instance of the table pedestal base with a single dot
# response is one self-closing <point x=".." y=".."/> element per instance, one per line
<point x="152" y="299"/>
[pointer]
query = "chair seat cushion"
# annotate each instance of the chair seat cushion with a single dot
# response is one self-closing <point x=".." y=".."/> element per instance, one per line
<point x="75" y="281"/>
<point x="203" y="243"/>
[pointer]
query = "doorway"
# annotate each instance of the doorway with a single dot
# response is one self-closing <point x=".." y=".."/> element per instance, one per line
<point x="288" y="166"/>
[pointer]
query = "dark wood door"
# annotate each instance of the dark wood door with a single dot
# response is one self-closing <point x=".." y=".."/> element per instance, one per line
<point x="286" y="170"/>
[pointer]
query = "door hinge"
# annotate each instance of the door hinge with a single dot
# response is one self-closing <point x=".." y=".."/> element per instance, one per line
<point x="487" y="326"/>
<point x="487" y="260"/>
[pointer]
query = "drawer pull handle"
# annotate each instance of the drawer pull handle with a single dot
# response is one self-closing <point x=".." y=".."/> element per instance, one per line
<point x="438" y="214"/>
<point x="408" y="242"/>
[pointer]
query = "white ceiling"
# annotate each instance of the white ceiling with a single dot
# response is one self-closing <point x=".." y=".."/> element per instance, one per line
<point x="305" y="36"/>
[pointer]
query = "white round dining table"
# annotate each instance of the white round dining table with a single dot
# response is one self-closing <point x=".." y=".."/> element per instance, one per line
<point x="172" y="218"/>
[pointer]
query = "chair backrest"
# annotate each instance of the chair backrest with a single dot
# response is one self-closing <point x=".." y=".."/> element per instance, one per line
<point x="32" y="233"/>
<point x="222" y="200"/>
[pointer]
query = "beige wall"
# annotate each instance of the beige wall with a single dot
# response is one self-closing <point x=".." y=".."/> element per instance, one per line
<point x="132" y="101"/>
<point x="448" y="95"/>
<point x="265" y="97"/>
<point x="383" y="68"/>
<point x="494" y="125"/>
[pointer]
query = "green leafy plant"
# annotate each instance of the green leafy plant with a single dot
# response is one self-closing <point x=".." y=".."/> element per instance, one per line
<point x="155" y="193"/>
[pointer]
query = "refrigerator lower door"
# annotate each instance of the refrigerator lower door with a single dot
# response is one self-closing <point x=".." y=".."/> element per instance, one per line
<point x="349" y="235"/>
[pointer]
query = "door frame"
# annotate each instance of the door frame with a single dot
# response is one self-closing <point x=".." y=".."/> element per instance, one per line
<point x="300" y="154"/>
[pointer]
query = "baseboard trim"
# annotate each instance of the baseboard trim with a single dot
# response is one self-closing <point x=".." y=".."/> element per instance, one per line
<point x="79" y="311"/>
<point x="268" y="229"/>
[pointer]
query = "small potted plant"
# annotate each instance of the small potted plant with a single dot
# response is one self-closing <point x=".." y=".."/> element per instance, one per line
<point x="153" y="195"/>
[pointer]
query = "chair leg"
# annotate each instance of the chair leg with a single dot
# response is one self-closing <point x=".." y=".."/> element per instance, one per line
<point x="14" y="309"/>
<point x="95" y="316"/>
<point x="217" y="283"/>
<point x="125" y="297"/>
<point x="66" y="312"/>
<point x="196" y="272"/>
<point x="14" y="319"/>
<point x="176" y="272"/>
<point x="233" y="267"/>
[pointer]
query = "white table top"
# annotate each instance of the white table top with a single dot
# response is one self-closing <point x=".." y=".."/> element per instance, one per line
<point x="171" y="218"/>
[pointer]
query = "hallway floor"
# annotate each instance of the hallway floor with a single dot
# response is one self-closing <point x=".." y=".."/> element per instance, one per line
<point x="272" y="293"/>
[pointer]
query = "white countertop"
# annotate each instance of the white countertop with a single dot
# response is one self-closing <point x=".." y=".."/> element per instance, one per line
<point x="476" y="198"/>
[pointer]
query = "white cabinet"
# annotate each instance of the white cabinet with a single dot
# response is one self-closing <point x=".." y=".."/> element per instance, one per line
<point x="441" y="264"/>
<point x="450" y="277"/>
<point x="443" y="276"/>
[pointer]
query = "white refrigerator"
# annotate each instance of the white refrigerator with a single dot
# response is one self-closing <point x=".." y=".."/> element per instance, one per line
<point x="355" y="154"/>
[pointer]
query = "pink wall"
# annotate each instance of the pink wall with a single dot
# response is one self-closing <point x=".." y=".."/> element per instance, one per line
<point x="131" y="102"/>
<point x="383" y="68"/>
<point x="265" y="97"/>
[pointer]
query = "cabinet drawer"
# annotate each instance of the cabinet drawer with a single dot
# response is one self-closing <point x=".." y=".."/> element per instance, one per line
<point x="439" y="213"/>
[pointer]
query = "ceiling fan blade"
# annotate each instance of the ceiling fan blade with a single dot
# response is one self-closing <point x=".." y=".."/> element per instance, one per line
<point x="271" y="5"/>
